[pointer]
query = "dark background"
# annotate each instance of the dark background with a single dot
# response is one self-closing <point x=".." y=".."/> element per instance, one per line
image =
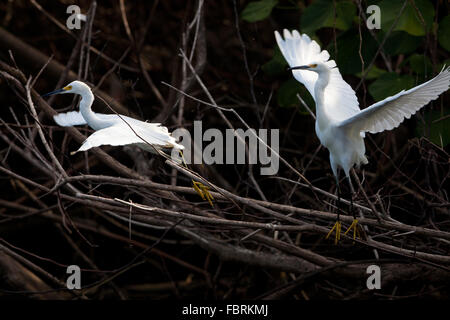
<point x="236" y="57"/>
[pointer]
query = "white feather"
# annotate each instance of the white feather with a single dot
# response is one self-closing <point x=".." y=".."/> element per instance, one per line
<point x="390" y="112"/>
<point x="75" y="118"/>
<point x="113" y="129"/>
<point x="120" y="133"/>
<point x="144" y="134"/>
<point x="340" y="99"/>
<point x="69" y="119"/>
<point x="340" y="125"/>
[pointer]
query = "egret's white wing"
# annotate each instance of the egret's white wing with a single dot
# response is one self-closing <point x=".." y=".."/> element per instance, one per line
<point x="69" y="119"/>
<point x="299" y="50"/>
<point x="75" y="118"/>
<point x="390" y="112"/>
<point x="122" y="118"/>
<point x="121" y="134"/>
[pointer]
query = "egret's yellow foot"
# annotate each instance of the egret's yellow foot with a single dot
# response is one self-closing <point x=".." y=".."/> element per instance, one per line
<point x="199" y="187"/>
<point x="355" y="227"/>
<point x="337" y="228"/>
<point x="203" y="191"/>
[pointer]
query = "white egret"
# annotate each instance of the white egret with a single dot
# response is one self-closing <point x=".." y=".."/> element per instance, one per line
<point x="118" y="130"/>
<point x="112" y="129"/>
<point x="340" y="124"/>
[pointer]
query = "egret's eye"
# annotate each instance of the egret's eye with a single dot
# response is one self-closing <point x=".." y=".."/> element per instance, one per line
<point x="67" y="88"/>
<point x="313" y="65"/>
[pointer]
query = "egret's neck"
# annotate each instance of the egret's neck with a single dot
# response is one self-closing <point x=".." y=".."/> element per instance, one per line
<point x="319" y="96"/>
<point x="85" y="108"/>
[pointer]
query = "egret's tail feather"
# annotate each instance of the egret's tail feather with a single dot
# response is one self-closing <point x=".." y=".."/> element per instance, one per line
<point x="172" y="142"/>
<point x="361" y="161"/>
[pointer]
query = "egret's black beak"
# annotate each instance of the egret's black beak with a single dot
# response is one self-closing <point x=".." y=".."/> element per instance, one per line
<point x="299" y="68"/>
<point x="52" y="93"/>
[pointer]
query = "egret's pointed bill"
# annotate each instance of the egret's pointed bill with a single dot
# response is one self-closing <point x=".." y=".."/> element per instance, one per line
<point x="298" y="68"/>
<point x="52" y="93"/>
<point x="57" y="91"/>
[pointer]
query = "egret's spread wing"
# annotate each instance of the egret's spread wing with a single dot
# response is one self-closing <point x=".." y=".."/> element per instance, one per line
<point x="69" y="119"/>
<point x="390" y="112"/>
<point x="121" y="134"/>
<point x="75" y="118"/>
<point x="299" y="50"/>
<point x="121" y="118"/>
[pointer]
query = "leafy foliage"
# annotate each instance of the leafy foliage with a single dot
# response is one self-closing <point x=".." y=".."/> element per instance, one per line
<point x="420" y="64"/>
<point x="287" y="94"/>
<point x="444" y="33"/>
<point x="399" y="42"/>
<point x="436" y="127"/>
<point x="414" y="20"/>
<point x="404" y="38"/>
<point x="347" y="55"/>
<point x="277" y="65"/>
<point x="389" y="84"/>
<point x="324" y="13"/>
<point x="258" y="10"/>
<point x="374" y="73"/>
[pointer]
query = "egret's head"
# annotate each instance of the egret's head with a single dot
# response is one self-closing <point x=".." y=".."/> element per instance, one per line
<point x="317" y="67"/>
<point x="76" y="87"/>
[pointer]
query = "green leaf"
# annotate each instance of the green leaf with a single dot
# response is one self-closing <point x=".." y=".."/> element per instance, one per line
<point x="441" y="65"/>
<point x="373" y="73"/>
<point x="345" y="11"/>
<point x="420" y="64"/>
<point x="258" y="10"/>
<point x="277" y="65"/>
<point x="347" y="57"/>
<point x="444" y="33"/>
<point x="399" y="42"/>
<point x="287" y="94"/>
<point x="321" y="13"/>
<point x="410" y="20"/>
<point x="389" y="84"/>
<point x="437" y="131"/>
<point x="315" y="15"/>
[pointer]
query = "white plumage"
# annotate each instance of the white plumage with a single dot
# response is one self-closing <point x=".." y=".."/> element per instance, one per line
<point x="340" y="124"/>
<point x="390" y="112"/>
<point x="340" y="99"/>
<point x="69" y="119"/>
<point x="112" y="129"/>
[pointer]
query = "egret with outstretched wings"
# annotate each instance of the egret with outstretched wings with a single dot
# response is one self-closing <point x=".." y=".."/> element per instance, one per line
<point x="340" y="124"/>
<point x="118" y="130"/>
<point x="112" y="129"/>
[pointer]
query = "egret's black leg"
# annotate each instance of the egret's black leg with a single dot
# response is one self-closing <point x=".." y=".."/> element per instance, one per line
<point x="339" y="200"/>
<point x="337" y="225"/>
<point x="351" y="206"/>
<point x="352" y="192"/>
<point x="354" y="224"/>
